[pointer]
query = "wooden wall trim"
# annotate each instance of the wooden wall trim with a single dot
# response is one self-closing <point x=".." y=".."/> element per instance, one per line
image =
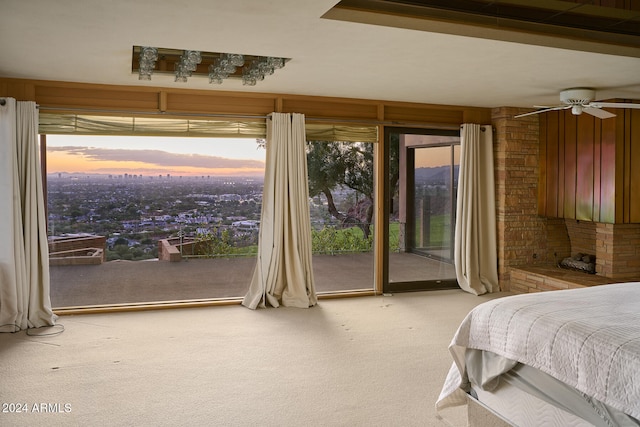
<point x="71" y="97"/>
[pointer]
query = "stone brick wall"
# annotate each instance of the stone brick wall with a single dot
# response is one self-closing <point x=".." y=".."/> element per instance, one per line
<point x="616" y="246"/>
<point x="558" y="242"/>
<point x="540" y="278"/>
<point x="522" y="237"/>
<point x="582" y="235"/>
<point x="618" y="251"/>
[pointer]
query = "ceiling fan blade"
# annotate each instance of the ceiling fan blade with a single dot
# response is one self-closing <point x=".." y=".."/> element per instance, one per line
<point x="597" y="112"/>
<point x="614" y="105"/>
<point x="561" y="107"/>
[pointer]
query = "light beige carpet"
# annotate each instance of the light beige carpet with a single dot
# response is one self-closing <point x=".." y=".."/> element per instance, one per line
<point x="368" y="361"/>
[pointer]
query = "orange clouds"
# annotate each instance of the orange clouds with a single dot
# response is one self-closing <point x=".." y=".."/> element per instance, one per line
<point x="79" y="159"/>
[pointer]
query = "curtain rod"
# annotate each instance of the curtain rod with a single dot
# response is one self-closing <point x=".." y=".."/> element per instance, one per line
<point x="2" y="101"/>
<point x="482" y="127"/>
<point x="240" y="116"/>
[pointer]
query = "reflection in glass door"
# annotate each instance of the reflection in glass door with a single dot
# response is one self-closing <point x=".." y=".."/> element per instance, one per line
<point x="433" y="214"/>
<point x="422" y="211"/>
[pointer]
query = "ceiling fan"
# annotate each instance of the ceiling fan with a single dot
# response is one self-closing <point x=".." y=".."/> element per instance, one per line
<point x="580" y="100"/>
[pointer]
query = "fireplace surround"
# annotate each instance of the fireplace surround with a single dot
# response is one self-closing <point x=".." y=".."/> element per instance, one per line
<point x="616" y="247"/>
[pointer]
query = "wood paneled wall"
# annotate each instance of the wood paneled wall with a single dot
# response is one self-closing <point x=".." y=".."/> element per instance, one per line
<point x="590" y="168"/>
<point x="173" y="102"/>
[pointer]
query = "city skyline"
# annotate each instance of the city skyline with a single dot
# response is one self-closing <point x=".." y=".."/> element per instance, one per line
<point x="153" y="156"/>
<point x="175" y="156"/>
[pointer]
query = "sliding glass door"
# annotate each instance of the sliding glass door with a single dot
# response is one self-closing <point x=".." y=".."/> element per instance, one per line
<point x="423" y="176"/>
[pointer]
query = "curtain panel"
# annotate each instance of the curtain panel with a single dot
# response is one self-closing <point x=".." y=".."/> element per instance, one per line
<point x="475" y="253"/>
<point x="283" y="272"/>
<point x="24" y="253"/>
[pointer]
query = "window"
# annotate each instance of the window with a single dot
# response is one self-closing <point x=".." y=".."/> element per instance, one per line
<point x="123" y="210"/>
<point x="145" y="219"/>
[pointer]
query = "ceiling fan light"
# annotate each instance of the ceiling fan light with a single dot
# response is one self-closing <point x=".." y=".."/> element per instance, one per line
<point x="577" y="96"/>
<point x="580" y="100"/>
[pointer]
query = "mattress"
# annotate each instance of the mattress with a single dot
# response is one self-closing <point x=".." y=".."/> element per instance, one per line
<point x="517" y="408"/>
<point x="586" y="339"/>
<point x="526" y="397"/>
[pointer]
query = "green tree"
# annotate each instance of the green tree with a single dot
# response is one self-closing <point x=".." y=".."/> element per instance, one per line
<point x="326" y="172"/>
<point x="335" y="165"/>
<point x="121" y="241"/>
<point x="394" y="171"/>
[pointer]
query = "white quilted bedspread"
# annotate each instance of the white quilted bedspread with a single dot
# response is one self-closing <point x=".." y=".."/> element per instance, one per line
<point x="588" y="338"/>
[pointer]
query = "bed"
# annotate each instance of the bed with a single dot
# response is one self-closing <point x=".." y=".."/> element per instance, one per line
<point x="569" y="357"/>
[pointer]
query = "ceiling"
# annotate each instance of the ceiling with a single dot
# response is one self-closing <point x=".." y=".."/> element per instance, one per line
<point x="362" y="49"/>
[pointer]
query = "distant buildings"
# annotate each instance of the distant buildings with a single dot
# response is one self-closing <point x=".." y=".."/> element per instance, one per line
<point x="143" y="211"/>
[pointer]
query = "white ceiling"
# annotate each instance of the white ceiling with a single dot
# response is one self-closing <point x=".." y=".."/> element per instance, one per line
<point x="91" y="41"/>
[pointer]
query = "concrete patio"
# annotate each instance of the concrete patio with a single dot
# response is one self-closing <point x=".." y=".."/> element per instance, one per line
<point x="126" y="282"/>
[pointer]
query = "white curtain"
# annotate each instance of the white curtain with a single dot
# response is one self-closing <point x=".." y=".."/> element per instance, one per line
<point x="475" y="254"/>
<point x="24" y="252"/>
<point x="283" y="272"/>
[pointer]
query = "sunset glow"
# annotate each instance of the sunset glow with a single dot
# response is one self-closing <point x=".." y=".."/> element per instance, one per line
<point x="151" y="156"/>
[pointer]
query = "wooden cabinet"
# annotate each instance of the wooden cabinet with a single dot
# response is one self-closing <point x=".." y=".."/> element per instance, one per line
<point x="589" y="167"/>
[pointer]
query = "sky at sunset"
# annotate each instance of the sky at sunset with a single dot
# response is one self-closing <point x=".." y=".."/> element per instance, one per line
<point x="151" y="156"/>
<point x="433" y="156"/>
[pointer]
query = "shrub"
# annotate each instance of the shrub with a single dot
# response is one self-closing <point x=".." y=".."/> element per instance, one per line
<point x="332" y="241"/>
<point x="214" y="244"/>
